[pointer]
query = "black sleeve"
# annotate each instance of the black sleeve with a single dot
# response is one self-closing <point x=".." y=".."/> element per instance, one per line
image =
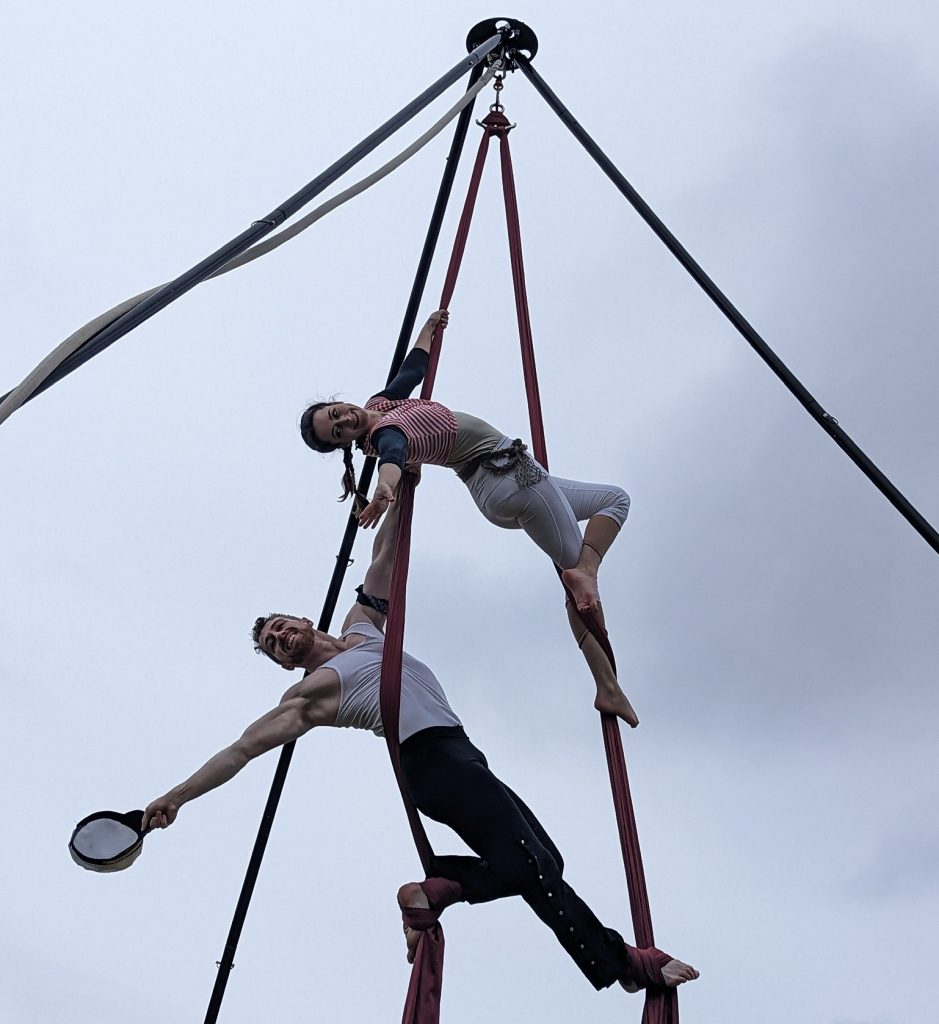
<point x="409" y="376"/>
<point x="392" y="446"/>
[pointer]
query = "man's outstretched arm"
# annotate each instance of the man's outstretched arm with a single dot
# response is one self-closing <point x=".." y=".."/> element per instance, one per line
<point x="294" y="716"/>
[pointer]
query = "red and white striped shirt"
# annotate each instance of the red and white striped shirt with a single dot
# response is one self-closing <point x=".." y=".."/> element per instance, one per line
<point x="430" y="428"/>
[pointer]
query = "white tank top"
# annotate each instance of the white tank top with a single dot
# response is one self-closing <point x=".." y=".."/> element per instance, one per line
<point x="423" y="702"/>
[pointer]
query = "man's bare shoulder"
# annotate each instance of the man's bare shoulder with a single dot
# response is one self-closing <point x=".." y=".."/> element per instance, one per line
<point x="311" y="682"/>
<point x="321" y="691"/>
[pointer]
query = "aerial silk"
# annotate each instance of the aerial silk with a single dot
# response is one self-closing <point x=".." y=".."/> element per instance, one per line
<point x="422" y="1004"/>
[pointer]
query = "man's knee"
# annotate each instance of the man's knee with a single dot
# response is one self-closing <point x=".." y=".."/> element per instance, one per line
<point x="522" y="866"/>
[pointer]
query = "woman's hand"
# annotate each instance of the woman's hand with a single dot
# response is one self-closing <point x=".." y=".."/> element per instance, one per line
<point x="441" y="316"/>
<point x="426" y="337"/>
<point x="370" y="515"/>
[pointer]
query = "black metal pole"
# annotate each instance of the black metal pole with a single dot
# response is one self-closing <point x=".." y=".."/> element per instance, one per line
<point x="227" y="962"/>
<point x="169" y="292"/>
<point x="827" y="422"/>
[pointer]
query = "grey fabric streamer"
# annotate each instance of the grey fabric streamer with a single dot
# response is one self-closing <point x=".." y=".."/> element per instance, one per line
<point x="22" y="392"/>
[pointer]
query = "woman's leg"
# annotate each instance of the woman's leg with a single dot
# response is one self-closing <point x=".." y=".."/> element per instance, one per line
<point x="605" y="508"/>
<point x="542" y="510"/>
<point x="549" y="512"/>
<point x="610" y="698"/>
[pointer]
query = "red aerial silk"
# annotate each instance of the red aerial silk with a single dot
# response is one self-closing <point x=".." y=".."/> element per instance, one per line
<point x="422" y="1004"/>
<point x="423" y="998"/>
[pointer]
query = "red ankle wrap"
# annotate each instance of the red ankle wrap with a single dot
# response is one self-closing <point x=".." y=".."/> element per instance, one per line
<point x="644" y="966"/>
<point x="441" y="893"/>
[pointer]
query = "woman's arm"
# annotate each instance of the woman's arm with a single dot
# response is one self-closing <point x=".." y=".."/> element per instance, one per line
<point x="389" y="476"/>
<point x="415" y="365"/>
<point x="392" y="448"/>
<point x="424" y="339"/>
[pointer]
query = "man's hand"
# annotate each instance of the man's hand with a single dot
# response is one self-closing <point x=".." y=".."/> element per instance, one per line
<point x="160" y="813"/>
<point x="383" y="497"/>
<point x="441" y="316"/>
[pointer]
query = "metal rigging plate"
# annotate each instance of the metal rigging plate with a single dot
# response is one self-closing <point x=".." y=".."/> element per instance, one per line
<point x="524" y="40"/>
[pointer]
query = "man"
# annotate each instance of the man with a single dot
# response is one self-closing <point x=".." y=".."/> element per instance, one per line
<point x="447" y="777"/>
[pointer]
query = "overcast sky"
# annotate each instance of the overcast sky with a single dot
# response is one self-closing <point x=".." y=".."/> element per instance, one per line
<point x="774" y="618"/>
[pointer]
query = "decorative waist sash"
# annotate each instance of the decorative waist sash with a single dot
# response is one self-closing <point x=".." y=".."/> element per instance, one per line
<point x="504" y="460"/>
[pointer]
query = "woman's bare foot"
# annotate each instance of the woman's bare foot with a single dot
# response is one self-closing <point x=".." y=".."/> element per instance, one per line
<point x="612" y="701"/>
<point x="412" y="895"/>
<point x="583" y="587"/>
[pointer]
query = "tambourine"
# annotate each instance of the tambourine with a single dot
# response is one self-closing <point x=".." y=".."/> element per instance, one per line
<point x="107" y="840"/>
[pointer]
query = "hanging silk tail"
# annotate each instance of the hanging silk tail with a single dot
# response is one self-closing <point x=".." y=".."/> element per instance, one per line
<point x="422" y="1004"/>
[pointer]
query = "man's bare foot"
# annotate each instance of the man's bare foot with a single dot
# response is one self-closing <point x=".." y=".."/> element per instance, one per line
<point x="583" y="587"/>
<point x="612" y="701"/>
<point x="674" y="973"/>
<point x="412" y="895"/>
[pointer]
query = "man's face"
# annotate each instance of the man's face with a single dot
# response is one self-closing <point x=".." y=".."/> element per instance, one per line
<point x="287" y="640"/>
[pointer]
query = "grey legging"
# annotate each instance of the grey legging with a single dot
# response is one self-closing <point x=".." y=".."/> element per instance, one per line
<point x="547" y="511"/>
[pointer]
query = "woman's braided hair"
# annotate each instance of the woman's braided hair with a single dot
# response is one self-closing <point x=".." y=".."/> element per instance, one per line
<point x="349" y="483"/>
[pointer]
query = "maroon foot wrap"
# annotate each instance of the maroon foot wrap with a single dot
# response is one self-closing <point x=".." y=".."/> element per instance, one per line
<point x="644" y="966"/>
<point x="441" y="893"/>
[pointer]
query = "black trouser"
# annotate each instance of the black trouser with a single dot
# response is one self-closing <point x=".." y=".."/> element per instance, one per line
<point x="449" y="780"/>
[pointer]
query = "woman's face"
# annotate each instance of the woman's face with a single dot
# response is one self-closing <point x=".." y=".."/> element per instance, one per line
<point x="340" y="423"/>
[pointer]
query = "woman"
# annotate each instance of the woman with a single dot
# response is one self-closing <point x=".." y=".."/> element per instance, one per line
<point x="509" y="487"/>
